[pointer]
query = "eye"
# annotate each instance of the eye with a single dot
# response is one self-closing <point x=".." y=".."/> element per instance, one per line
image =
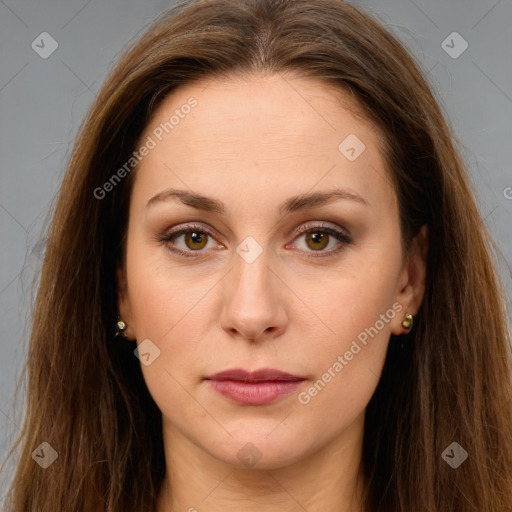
<point x="317" y="238"/>
<point x="195" y="239"/>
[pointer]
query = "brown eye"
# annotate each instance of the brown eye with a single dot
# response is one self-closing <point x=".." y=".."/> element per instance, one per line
<point x="195" y="240"/>
<point x="317" y="239"/>
<point x="189" y="241"/>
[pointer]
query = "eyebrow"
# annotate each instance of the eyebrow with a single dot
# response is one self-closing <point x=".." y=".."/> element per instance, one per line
<point x="291" y="205"/>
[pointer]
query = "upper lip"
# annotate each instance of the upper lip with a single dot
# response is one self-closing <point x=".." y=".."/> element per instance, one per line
<point x="261" y="375"/>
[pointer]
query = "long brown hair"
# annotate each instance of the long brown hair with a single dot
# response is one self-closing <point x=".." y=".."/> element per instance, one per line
<point x="450" y="383"/>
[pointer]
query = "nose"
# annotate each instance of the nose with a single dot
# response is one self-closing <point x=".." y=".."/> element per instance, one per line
<point x="253" y="300"/>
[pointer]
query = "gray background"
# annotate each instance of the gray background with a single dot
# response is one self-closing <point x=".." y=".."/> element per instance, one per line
<point x="44" y="100"/>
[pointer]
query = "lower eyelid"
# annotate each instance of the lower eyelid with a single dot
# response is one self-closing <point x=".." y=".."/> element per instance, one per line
<point x="342" y="239"/>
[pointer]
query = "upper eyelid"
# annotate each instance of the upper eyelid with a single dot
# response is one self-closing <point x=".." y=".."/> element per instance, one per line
<point x="300" y="230"/>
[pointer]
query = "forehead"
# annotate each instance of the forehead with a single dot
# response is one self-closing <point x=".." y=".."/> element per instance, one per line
<point x="259" y="131"/>
<point x="271" y="105"/>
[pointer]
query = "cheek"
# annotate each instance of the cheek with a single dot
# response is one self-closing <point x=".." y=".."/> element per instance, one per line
<point x="174" y="315"/>
<point x="356" y="311"/>
<point x="173" y="312"/>
<point x="176" y="307"/>
<point x="347" y="366"/>
<point x="352" y="300"/>
<point x="162" y="294"/>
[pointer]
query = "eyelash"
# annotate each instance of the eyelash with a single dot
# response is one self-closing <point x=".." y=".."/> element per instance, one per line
<point x="341" y="236"/>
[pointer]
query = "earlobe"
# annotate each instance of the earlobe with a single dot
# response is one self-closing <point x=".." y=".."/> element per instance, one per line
<point x="123" y="306"/>
<point x="412" y="286"/>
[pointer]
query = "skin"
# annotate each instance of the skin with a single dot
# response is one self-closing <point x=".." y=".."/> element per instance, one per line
<point x="252" y="143"/>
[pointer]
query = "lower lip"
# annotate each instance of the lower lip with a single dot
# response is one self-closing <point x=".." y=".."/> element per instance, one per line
<point x="256" y="393"/>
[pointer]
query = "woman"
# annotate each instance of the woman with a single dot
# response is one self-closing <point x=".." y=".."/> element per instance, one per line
<point x="267" y="285"/>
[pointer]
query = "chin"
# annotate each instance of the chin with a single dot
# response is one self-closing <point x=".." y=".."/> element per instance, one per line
<point x="259" y="449"/>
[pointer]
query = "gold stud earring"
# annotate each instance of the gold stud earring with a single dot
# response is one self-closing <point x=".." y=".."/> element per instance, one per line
<point x="121" y="326"/>
<point x="408" y="321"/>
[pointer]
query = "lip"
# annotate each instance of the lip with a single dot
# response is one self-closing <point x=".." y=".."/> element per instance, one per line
<point x="259" y="387"/>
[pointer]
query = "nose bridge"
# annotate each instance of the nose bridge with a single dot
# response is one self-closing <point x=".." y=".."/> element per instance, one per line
<point x="252" y="286"/>
<point x="251" y="302"/>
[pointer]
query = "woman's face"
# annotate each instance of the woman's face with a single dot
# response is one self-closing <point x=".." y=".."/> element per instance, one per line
<point x="263" y="234"/>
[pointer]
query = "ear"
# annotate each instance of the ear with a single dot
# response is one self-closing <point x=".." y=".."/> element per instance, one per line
<point x="123" y="303"/>
<point x="411" y="284"/>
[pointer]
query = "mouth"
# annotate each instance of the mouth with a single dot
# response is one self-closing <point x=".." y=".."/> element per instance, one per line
<point x="261" y="387"/>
